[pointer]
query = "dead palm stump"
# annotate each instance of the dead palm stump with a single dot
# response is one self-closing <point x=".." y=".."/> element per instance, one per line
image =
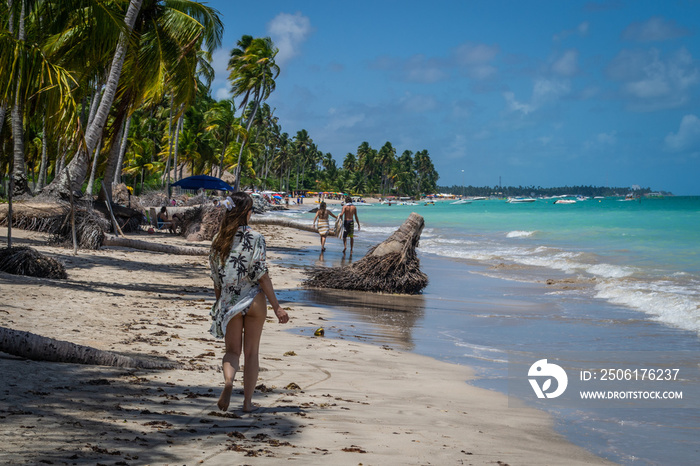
<point x="390" y="267"/>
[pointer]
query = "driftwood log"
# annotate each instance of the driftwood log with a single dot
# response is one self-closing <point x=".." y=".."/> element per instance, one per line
<point x="111" y="240"/>
<point x="390" y="267"/>
<point x="36" y="347"/>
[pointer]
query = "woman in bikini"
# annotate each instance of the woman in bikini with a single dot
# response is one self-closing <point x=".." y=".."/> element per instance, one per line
<point x="322" y="219"/>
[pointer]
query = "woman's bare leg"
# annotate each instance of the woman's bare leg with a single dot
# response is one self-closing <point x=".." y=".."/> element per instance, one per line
<point x="252" y="325"/>
<point x="231" y="360"/>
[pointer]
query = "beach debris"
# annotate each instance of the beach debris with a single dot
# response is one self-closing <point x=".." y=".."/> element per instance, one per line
<point x="27" y="261"/>
<point x="292" y="386"/>
<point x="54" y="219"/>
<point x="389" y="267"/>
<point x="39" y="348"/>
<point x="319" y="332"/>
<point x="354" y="449"/>
<point x="111" y="240"/>
<point x="290" y="353"/>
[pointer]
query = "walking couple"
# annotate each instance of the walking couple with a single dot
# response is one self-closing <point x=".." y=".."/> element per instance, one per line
<point x="348" y="216"/>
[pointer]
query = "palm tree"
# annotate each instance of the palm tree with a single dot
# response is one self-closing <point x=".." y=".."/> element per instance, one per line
<point x="302" y="146"/>
<point x="253" y="73"/>
<point x="77" y="169"/>
<point x="139" y="161"/>
<point x="221" y="119"/>
<point x="385" y="158"/>
<point x="350" y="162"/>
<point x="166" y="56"/>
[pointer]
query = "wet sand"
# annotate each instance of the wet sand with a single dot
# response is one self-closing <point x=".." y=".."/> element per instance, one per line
<point x="321" y="399"/>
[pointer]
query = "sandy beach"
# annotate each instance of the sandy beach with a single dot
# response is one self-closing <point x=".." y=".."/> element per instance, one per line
<point x="321" y="399"/>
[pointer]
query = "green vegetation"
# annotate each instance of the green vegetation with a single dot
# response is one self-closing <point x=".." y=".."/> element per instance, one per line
<point x="118" y="91"/>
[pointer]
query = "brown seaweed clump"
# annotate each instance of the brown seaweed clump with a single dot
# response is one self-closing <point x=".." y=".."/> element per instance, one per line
<point x="390" y="267"/>
<point x="27" y="261"/>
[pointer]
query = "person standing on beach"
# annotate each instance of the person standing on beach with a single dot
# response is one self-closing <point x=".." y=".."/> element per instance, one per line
<point x="348" y="213"/>
<point x="241" y="283"/>
<point x="322" y="217"/>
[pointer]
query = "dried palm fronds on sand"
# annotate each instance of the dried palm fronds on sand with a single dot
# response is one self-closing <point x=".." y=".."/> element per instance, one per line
<point x="30" y="262"/>
<point x="90" y="229"/>
<point x="390" y="267"/>
<point x="54" y="219"/>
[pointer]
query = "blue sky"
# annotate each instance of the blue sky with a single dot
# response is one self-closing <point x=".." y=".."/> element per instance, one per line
<point x="542" y="93"/>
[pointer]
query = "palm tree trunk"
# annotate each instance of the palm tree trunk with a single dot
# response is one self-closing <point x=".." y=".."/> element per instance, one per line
<point x="36" y="347"/>
<point x="245" y="139"/>
<point x="122" y="151"/>
<point x="155" y="247"/>
<point x="79" y="164"/>
<point x="19" y="174"/>
<point x="3" y="112"/>
<point x="111" y="167"/>
<point x="44" y="156"/>
<point x="170" y="143"/>
<point x="93" y="171"/>
<point x="180" y="123"/>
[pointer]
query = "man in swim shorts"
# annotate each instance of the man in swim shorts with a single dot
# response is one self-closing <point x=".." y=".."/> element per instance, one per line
<point x="348" y="213"/>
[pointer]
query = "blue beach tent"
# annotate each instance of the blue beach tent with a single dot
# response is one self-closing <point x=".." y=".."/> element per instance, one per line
<point x="203" y="182"/>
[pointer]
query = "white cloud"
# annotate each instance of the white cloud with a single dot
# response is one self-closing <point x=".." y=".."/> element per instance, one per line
<point x="567" y="64"/>
<point x="651" y="81"/>
<point x="607" y="138"/>
<point x="475" y="54"/>
<point x="654" y="29"/>
<point x="547" y="90"/>
<point x="544" y="91"/>
<point x="516" y="106"/>
<point x="418" y="103"/>
<point x="687" y="137"/>
<point x="222" y="93"/>
<point x="289" y="32"/>
<point x="343" y="118"/>
<point x="476" y="59"/>
<point x="420" y="69"/>
<point x="580" y="30"/>
<point x="457" y="147"/>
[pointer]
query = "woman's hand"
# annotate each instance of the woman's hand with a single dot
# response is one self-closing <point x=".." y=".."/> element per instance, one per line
<point x="282" y="315"/>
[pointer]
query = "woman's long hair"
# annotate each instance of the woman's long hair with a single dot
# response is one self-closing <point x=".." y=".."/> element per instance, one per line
<point x="233" y="219"/>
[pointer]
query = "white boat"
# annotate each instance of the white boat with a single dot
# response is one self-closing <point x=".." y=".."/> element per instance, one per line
<point x="565" y="201"/>
<point x="461" y="201"/>
<point x="519" y="200"/>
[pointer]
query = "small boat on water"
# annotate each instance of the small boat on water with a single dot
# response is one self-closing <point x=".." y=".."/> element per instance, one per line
<point x="519" y="200"/>
<point x="461" y="201"/>
<point x="565" y="201"/>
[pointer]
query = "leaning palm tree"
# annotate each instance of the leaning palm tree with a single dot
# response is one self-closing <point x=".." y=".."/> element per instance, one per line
<point x="253" y="73"/>
<point x="77" y="169"/>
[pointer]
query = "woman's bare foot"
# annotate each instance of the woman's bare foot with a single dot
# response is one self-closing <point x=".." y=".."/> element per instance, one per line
<point x="225" y="397"/>
<point x="249" y="409"/>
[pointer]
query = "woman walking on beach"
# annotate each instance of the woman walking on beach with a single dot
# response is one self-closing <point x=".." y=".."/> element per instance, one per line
<point x="323" y="228"/>
<point x="241" y="283"/>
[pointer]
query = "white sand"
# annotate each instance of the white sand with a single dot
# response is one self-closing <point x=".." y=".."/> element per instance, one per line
<point x="356" y="403"/>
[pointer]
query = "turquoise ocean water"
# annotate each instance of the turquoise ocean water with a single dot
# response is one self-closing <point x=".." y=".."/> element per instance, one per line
<point x="599" y="275"/>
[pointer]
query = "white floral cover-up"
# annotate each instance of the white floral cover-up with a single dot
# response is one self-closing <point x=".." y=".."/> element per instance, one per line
<point x="237" y="278"/>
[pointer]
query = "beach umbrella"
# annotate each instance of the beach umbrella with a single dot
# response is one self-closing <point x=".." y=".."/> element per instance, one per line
<point x="203" y="182"/>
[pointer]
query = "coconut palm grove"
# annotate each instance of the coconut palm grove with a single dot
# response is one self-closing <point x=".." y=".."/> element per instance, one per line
<point x="100" y="92"/>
